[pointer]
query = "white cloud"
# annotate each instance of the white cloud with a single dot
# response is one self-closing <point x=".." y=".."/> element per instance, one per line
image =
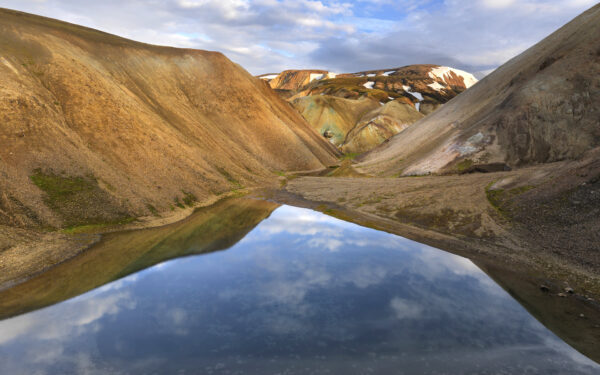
<point x="271" y="35"/>
<point x="405" y="309"/>
<point x="495" y="4"/>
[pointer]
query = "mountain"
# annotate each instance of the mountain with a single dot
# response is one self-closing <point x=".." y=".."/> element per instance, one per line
<point x="425" y="86"/>
<point x="99" y="129"/>
<point x="342" y="107"/>
<point x="289" y="82"/>
<point x="355" y="125"/>
<point x="540" y="107"/>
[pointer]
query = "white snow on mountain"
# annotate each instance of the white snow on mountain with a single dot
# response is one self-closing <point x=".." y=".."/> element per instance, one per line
<point x="417" y="95"/>
<point x="436" y="86"/>
<point x="314" y="76"/>
<point x="443" y="72"/>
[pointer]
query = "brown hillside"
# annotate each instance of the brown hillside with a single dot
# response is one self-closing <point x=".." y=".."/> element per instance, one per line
<point x="288" y="82"/>
<point x="541" y="106"/>
<point x="98" y="129"/>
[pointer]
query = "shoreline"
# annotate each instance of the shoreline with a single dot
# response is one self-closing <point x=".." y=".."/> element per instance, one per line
<point x="56" y="248"/>
<point x="536" y="280"/>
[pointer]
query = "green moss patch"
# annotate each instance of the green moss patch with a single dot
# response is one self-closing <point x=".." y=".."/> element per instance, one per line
<point x="152" y="209"/>
<point x="96" y="227"/>
<point x="235" y="183"/>
<point x="189" y="199"/>
<point x="501" y="199"/>
<point x="464" y="165"/>
<point x="78" y="200"/>
<point x="350" y="156"/>
<point x="178" y="202"/>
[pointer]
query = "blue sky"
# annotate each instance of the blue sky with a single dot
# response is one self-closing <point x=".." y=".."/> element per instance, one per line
<point x="266" y="36"/>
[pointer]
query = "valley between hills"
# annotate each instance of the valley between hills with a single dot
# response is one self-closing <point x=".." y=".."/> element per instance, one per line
<point x="101" y="134"/>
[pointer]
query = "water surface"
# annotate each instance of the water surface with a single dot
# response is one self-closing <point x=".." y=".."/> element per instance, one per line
<point x="302" y="293"/>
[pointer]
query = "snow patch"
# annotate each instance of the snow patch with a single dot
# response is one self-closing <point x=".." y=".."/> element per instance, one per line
<point x="314" y="76"/>
<point x="417" y="95"/>
<point x="443" y="73"/>
<point x="388" y="73"/>
<point x="381" y="103"/>
<point x="436" y="86"/>
<point x="371" y="75"/>
<point x="390" y="98"/>
<point x="369" y="84"/>
<point x="331" y="75"/>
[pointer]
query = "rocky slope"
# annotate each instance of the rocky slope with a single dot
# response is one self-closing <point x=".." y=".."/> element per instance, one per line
<point x="98" y="129"/>
<point x="540" y="107"/>
<point x="289" y="82"/>
<point x="319" y="95"/>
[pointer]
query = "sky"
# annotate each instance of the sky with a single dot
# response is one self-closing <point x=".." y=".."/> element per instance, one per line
<point x="268" y="36"/>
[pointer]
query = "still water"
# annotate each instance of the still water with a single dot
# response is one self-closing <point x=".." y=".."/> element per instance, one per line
<point x="301" y="293"/>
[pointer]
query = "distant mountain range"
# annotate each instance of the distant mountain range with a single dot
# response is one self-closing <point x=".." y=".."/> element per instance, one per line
<point x="358" y="111"/>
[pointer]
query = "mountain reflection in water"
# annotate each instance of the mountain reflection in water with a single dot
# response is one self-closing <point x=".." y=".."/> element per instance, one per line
<point x="301" y="293"/>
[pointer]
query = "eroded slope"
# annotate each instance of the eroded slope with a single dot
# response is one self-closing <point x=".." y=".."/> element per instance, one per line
<point x="99" y="129"/>
<point x="541" y="106"/>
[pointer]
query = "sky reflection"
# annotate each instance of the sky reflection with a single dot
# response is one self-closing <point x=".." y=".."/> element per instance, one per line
<point x="302" y="293"/>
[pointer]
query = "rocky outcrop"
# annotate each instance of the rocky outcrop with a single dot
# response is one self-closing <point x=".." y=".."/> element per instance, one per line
<point x="540" y="107"/>
<point x="92" y="120"/>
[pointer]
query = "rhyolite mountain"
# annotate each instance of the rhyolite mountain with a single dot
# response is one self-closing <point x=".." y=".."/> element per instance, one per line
<point x="425" y="86"/>
<point x="539" y="107"/>
<point x="345" y="107"/>
<point x="99" y="129"/>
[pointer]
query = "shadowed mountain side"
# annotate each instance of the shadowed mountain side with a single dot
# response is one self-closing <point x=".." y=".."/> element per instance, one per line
<point x="355" y="126"/>
<point x="332" y="116"/>
<point x="210" y="229"/>
<point x="379" y="125"/>
<point x="541" y="106"/>
<point x="98" y="129"/>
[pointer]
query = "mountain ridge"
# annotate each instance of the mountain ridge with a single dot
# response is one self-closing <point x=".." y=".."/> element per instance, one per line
<point x="536" y="108"/>
<point x="100" y="129"/>
<point x="402" y="94"/>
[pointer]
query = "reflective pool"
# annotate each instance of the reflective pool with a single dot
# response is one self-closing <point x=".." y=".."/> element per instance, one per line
<point x="301" y="293"/>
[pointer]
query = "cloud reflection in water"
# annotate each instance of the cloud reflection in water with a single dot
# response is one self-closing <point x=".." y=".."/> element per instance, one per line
<point x="301" y="291"/>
